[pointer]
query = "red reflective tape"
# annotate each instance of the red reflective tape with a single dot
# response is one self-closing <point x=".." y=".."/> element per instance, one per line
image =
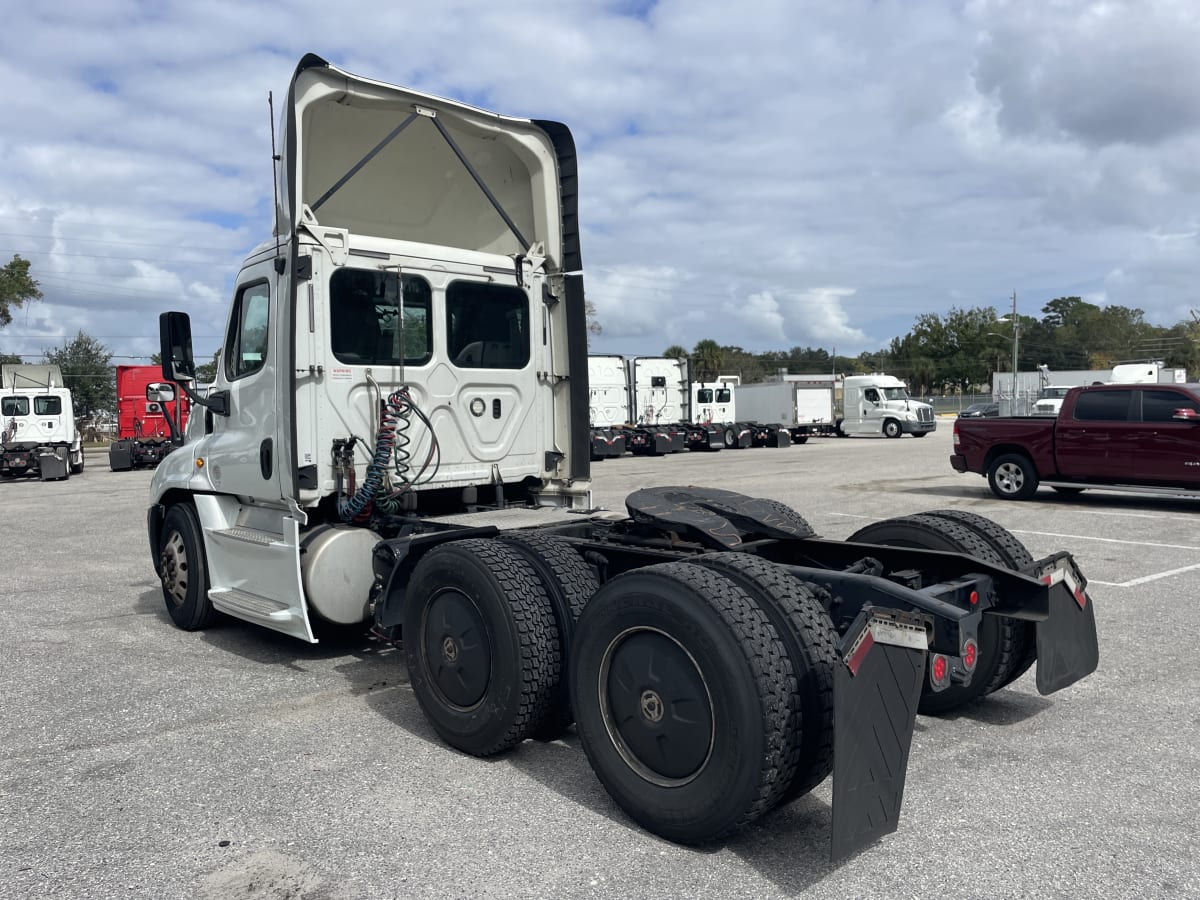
<point x="859" y="653"/>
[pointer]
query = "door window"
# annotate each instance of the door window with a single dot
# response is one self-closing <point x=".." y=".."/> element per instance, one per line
<point x="487" y="326"/>
<point x="1103" y="406"/>
<point x="1160" y="406"/>
<point x="246" y="344"/>
<point x="704" y="395"/>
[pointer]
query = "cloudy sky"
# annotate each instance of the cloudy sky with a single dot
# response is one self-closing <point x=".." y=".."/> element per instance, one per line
<point x="769" y="173"/>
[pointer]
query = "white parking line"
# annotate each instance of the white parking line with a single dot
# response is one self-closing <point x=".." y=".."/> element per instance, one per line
<point x="1084" y="537"/>
<point x="1146" y="579"/>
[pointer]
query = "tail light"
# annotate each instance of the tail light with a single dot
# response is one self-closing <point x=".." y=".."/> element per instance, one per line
<point x="939" y="671"/>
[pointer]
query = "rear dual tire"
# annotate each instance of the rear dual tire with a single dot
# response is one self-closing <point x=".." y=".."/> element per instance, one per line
<point x="683" y="697"/>
<point x="1005" y="649"/>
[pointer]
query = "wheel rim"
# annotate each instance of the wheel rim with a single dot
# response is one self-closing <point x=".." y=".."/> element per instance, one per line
<point x="173" y="564"/>
<point x="892" y="429"/>
<point x="656" y="706"/>
<point x="457" y="657"/>
<point x="1010" y="478"/>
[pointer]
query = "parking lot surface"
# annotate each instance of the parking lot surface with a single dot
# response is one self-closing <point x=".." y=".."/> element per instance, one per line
<point x="139" y="760"/>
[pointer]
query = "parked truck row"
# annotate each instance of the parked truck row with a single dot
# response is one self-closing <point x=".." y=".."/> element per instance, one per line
<point x="399" y="437"/>
<point x="649" y="405"/>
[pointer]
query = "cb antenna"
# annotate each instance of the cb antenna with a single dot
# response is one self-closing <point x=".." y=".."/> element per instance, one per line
<point x="274" y="168"/>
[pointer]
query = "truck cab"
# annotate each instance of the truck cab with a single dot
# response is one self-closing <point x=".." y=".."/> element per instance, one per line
<point x="37" y="424"/>
<point x="880" y="404"/>
<point x="410" y="341"/>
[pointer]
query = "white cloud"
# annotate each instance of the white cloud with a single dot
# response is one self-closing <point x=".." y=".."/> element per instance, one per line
<point x="783" y="173"/>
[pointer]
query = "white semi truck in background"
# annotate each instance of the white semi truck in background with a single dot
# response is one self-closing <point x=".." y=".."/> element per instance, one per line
<point x="810" y="405"/>
<point x="880" y="404"/>
<point x="397" y="437"/>
<point x="37" y="423"/>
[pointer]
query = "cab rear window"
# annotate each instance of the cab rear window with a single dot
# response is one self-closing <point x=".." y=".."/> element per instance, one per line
<point x="47" y="406"/>
<point x="14" y="406"/>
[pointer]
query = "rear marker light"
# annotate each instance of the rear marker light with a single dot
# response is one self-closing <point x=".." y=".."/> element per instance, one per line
<point x="939" y="671"/>
<point x="970" y="655"/>
<point x="974" y="598"/>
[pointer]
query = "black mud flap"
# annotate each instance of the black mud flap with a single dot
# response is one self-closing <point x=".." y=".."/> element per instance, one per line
<point x="876" y="687"/>
<point x="1067" y="646"/>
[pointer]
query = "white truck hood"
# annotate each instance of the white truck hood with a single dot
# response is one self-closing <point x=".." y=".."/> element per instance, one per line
<point x="386" y="161"/>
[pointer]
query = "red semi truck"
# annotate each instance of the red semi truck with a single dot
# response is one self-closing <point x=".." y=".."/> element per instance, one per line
<point x="146" y="408"/>
<point x="1129" y="437"/>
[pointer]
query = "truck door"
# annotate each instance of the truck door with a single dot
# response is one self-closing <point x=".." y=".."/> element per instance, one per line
<point x="1099" y="439"/>
<point x="492" y="408"/>
<point x="1167" y="450"/>
<point x="241" y="452"/>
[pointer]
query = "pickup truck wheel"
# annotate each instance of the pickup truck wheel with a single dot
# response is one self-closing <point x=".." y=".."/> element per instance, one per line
<point x="1012" y="477"/>
<point x="810" y="641"/>
<point x="1001" y="639"/>
<point x="569" y="582"/>
<point x="183" y="569"/>
<point x="483" y="653"/>
<point x="1016" y="556"/>
<point x="892" y="429"/>
<point x="682" y="697"/>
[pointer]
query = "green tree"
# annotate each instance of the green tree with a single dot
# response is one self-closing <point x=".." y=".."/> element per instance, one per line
<point x="675" y="352"/>
<point x="16" y="288"/>
<point x="9" y="358"/>
<point x="87" y="371"/>
<point x="707" y="359"/>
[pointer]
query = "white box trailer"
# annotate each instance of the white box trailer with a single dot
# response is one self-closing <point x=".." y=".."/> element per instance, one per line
<point x="802" y="409"/>
<point x="608" y="405"/>
<point x="37" y="424"/>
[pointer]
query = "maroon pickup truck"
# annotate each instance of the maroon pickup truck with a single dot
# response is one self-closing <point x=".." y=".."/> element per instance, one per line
<point x="1139" y="437"/>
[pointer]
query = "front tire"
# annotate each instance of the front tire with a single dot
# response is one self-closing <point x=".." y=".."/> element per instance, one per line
<point x="683" y="701"/>
<point x="1012" y="477"/>
<point x="183" y="569"/>
<point x="483" y="652"/>
<point x="892" y="429"/>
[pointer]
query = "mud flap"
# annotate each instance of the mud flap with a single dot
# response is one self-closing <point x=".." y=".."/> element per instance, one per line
<point x="1067" y="646"/>
<point x="876" y="687"/>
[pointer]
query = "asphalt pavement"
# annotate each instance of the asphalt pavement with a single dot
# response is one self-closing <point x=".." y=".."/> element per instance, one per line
<point x="137" y="760"/>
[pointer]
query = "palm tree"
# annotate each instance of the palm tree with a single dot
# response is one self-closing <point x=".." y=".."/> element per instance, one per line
<point x="675" y="352"/>
<point x="708" y="358"/>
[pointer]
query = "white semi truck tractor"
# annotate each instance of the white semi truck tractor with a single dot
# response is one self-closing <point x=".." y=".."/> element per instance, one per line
<point x="37" y="424"/>
<point x="398" y="437"/>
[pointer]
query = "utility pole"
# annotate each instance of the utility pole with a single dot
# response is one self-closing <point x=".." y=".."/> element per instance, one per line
<point x="1016" y="338"/>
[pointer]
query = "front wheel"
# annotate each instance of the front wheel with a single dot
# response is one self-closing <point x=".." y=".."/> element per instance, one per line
<point x="183" y="569"/>
<point x="892" y="429"/>
<point x="1012" y="477"/>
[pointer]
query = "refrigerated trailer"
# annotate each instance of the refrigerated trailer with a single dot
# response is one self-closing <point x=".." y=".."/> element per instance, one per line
<point x="359" y="464"/>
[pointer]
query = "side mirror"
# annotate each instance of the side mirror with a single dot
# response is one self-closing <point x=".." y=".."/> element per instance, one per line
<point x="158" y="392"/>
<point x="175" y="345"/>
<point x="1186" y="415"/>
